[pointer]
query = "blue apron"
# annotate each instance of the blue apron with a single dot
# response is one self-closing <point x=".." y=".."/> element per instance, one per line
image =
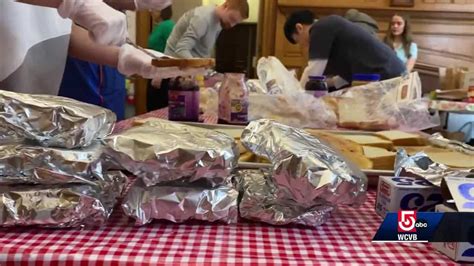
<point x="94" y="84"/>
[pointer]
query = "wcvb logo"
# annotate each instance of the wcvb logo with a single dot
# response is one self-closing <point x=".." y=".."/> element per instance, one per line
<point x="406" y="221"/>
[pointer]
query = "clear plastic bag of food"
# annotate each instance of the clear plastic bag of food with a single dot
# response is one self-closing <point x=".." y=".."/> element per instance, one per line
<point x="390" y="104"/>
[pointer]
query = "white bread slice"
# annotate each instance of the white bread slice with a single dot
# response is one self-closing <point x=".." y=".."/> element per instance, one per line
<point x="369" y="140"/>
<point x="412" y="150"/>
<point x="452" y="159"/>
<point x="381" y="159"/>
<point x="400" y="138"/>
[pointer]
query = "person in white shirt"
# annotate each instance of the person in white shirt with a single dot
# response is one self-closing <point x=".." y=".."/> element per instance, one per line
<point x="36" y="39"/>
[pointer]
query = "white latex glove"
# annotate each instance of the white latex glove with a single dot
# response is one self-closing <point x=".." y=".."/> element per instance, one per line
<point x="132" y="61"/>
<point x="152" y="4"/>
<point x="106" y="25"/>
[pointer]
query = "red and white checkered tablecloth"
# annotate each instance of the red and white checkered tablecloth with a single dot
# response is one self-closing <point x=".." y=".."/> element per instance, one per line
<point x="344" y="239"/>
<point x="161" y="113"/>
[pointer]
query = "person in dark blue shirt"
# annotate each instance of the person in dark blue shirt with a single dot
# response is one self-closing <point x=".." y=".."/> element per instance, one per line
<point x="94" y="84"/>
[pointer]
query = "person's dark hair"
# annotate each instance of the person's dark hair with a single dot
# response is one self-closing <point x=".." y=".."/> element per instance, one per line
<point x="166" y="13"/>
<point x="305" y="17"/>
<point x="407" y="38"/>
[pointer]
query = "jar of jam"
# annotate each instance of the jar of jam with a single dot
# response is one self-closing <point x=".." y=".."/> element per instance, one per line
<point x="363" y="79"/>
<point x="183" y="99"/>
<point x="316" y="86"/>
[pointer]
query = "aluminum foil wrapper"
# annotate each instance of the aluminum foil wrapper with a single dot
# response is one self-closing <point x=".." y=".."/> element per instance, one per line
<point x="438" y="140"/>
<point x="26" y="164"/>
<point x="260" y="203"/>
<point x="161" y="151"/>
<point x="54" y="121"/>
<point x="179" y="204"/>
<point x="421" y="165"/>
<point x="58" y="206"/>
<point x="304" y="169"/>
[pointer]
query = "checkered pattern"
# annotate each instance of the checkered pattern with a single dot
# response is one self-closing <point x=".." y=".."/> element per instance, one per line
<point x="161" y="113"/>
<point x="344" y="239"/>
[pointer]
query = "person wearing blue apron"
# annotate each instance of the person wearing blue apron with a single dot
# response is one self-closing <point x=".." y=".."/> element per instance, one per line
<point x="94" y="84"/>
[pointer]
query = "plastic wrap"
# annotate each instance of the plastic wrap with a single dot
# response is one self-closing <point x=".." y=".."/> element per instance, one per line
<point x="304" y="169"/>
<point x="180" y="203"/>
<point x="260" y="203"/>
<point x="271" y="70"/>
<point x="389" y="104"/>
<point x="161" y="151"/>
<point x="296" y="109"/>
<point x="54" y="121"/>
<point x="439" y="141"/>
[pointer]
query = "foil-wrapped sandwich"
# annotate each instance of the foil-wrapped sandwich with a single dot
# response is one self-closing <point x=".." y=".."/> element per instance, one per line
<point x="180" y="203"/>
<point x="304" y="169"/>
<point x="260" y="203"/>
<point x="161" y="151"/>
<point x="27" y="164"/>
<point x="56" y="187"/>
<point x="63" y="205"/>
<point x="422" y="166"/>
<point x="53" y="121"/>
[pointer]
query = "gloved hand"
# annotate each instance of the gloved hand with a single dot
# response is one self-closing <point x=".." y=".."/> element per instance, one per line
<point x="106" y="25"/>
<point x="132" y="61"/>
<point x="152" y="4"/>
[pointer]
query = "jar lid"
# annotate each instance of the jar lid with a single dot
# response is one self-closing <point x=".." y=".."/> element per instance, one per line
<point x="366" y="77"/>
<point x="317" y="77"/>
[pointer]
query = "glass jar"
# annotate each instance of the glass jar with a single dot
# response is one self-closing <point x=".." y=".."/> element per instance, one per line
<point x="183" y="99"/>
<point x="316" y="86"/>
<point x="233" y="99"/>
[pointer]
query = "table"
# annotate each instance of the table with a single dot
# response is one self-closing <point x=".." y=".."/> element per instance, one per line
<point x="162" y="114"/>
<point x="345" y="238"/>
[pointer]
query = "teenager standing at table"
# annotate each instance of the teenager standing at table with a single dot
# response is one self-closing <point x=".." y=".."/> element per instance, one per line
<point x="399" y="38"/>
<point x="163" y="26"/>
<point x="195" y="35"/>
<point x="338" y="47"/>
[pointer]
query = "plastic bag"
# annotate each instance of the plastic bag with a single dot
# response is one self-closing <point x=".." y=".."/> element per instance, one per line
<point x="209" y="101"/>
<point x="390" y="104"/>
<point x="295" y="109"/>
<point x="273" y="74"/>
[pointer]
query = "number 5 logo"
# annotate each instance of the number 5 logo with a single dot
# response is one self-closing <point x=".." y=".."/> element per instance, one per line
<point x="406" y="221"/>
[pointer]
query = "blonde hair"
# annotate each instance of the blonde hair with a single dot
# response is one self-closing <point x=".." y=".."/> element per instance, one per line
<point x="240" y="5"/>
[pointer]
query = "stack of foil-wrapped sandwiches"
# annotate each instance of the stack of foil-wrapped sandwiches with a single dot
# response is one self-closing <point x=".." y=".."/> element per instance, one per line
<point x="60" y="167"/>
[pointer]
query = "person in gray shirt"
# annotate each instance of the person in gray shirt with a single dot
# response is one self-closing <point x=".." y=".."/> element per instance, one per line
<point x="194" y="36"/>
<point x="196" y="32"/>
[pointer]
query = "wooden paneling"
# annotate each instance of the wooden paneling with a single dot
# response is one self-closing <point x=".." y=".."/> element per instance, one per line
<point x="443" y="30"/>
<point x="143" y="31"/>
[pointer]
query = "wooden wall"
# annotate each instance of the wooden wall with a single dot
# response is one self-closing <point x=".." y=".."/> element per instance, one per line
<point x="443" y="30"/>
